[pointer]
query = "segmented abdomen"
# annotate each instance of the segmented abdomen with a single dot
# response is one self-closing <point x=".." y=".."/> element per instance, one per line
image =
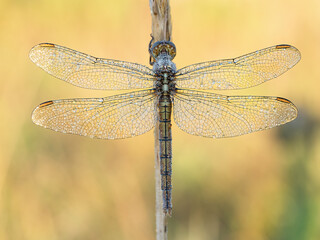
<point x="165" y="140"/>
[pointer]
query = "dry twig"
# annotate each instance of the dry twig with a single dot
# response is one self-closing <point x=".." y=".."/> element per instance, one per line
<point x="161" y="30"/>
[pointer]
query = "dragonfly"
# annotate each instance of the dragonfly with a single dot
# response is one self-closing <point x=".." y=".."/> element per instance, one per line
<point x="162" y="91"/>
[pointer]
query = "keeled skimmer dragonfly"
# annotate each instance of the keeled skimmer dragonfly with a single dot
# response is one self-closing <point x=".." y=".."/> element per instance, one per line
<point x="165" y="90"/>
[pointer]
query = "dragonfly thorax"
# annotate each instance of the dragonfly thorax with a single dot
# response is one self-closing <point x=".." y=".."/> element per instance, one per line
<point x="164" y="64"/>
<point x="165" y="70"/>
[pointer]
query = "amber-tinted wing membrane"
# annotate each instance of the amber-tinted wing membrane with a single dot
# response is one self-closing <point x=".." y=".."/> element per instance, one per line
<point x="242" y="72"/>
<point x="113" y="117"/>
<point x="87" y="71"/>
<point x="212" y="115"/>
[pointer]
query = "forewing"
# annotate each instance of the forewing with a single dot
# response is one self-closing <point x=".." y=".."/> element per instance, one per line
<point x="118" y="116"/>
<point x="242" y="72"/>
<point x="217" y="116"/>
<point x="90" y="72"/>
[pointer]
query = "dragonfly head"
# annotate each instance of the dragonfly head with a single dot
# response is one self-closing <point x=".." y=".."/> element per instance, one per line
<point x="161" y="47"/>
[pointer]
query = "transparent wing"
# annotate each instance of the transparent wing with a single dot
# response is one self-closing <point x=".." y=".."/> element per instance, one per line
<point x="86" y="71"/>
<point x="242" y="72"/>
<point x="118" y="116"/>
<point x="212" y="115"/>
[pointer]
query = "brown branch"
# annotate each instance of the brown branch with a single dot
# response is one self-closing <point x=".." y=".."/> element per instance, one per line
<point x="161" y="30"/>
<point x="161" y="20"/>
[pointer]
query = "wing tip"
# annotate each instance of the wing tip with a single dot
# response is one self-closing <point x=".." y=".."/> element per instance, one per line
<point x="34" y="50"/>
<point x="293" y="109"/>
<point x="35" y="113"/>
<point x="288" y="46"/>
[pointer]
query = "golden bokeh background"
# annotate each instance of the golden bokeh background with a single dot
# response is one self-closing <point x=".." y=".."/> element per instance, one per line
<point x="262" y="186"/>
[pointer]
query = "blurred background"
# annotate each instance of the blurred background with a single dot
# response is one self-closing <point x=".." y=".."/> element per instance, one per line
<point x="261" y="186"/>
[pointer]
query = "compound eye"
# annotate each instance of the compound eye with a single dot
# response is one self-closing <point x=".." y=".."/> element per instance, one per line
<point x="164" y="46"/>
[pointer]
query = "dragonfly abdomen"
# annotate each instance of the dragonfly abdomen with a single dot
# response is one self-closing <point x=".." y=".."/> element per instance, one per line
<point x="165" y="140"/>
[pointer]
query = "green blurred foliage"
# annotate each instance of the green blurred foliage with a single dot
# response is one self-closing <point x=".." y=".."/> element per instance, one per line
<point x="260" y="186"/>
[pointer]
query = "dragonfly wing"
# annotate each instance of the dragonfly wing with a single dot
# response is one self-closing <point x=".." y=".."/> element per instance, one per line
<point x="212" y="115"/>
<point x="90" y="72"/>
<point x="114" y="117"/>
<point x="242" y="72"/>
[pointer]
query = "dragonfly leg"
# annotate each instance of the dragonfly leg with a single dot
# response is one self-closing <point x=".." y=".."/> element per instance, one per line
<point x="152" y="57"/>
